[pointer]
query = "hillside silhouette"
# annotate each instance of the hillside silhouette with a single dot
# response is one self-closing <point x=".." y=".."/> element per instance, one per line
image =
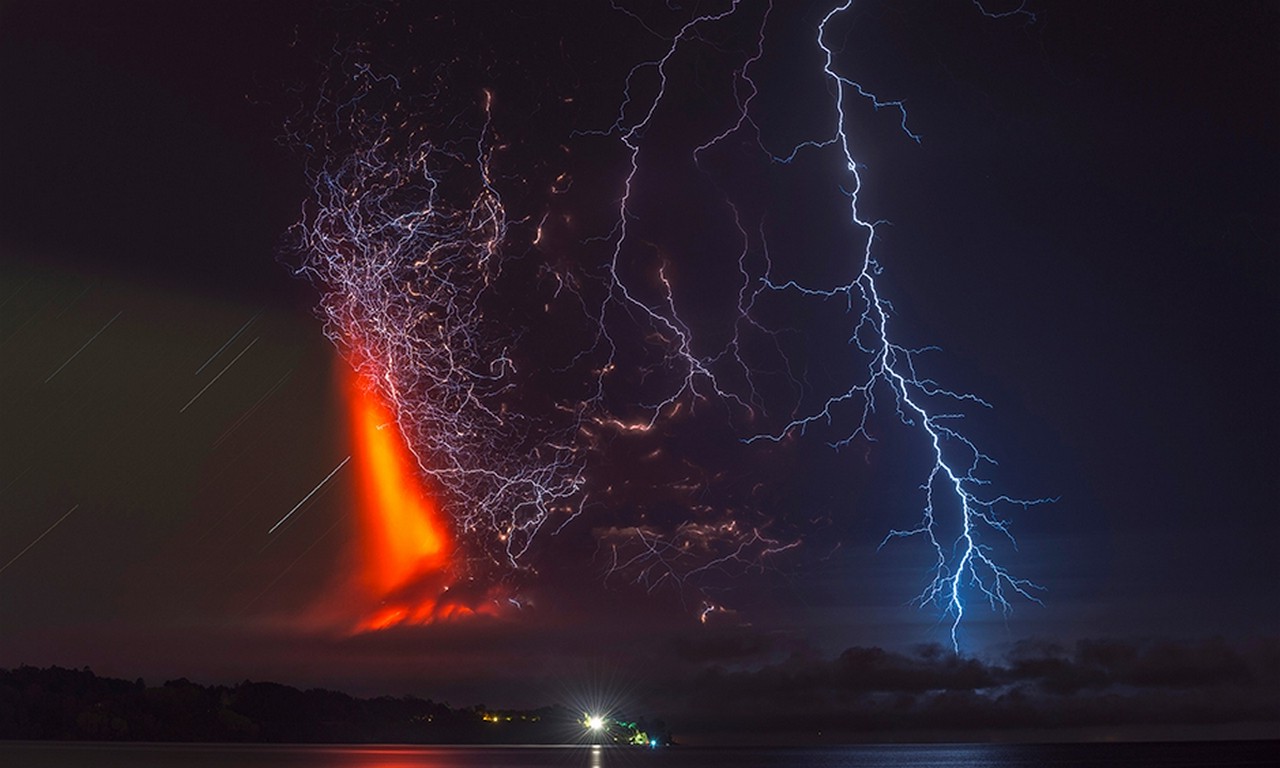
<point x="71" y="704"/>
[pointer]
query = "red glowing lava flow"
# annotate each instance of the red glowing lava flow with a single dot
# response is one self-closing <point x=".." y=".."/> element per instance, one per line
<point x="404" y="544"/>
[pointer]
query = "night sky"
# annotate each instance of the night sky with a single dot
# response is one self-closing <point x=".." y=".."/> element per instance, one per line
<point x="1087" y="229"/>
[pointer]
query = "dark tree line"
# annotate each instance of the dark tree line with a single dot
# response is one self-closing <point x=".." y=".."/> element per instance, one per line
<point x="70" y="704"/>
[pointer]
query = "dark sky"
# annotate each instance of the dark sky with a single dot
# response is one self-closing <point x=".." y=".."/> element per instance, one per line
<point x="1087" y="229"/>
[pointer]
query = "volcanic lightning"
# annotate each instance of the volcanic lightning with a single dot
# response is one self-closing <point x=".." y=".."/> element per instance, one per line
<point x="408" y="236"/>
<point x="403" y="236"/>
<point x="963" y="561"/>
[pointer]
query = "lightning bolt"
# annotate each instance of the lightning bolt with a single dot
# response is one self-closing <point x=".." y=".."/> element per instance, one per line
<point x="690" y="372"/>
<point x="964" y="561"/>
<point x="661" y="312"/>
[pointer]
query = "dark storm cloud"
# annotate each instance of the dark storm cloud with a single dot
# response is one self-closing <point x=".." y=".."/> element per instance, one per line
<point x="724" y="647"/>
<point x="1101" y="664"/>
<point x="770" y="687"/>
<point x="1036" y="685"/>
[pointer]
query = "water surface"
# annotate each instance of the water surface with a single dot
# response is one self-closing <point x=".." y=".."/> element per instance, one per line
<point x="1148" y="755"/>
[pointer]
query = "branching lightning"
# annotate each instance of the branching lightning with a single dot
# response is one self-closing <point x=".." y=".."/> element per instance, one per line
<point x="407" y="237"/>
<point x="963" y="562"/>
<point x="403" y="237"/>
<point x="661" y="313"/>
<point x="690" y="372"/>
<point x="952" y="483"/>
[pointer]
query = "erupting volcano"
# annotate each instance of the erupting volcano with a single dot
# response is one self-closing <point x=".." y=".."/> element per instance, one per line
<point x="404" y="544"/>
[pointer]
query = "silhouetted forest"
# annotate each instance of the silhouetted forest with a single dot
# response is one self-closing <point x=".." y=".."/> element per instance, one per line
<point x="71" y="704"/>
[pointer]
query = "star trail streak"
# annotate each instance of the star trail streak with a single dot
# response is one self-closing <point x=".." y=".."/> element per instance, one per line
<point x="319" y="485"/>
<point x="84" y="346"/>
<point x="37" y="539"/>
<point x="212" y="381"/>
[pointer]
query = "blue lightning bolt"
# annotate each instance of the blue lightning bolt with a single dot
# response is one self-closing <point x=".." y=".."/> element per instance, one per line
<point x="962" y="562"/>
<point x="965" y="561"/>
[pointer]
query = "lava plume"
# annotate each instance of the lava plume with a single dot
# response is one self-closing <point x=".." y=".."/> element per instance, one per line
<point x="404" y="544"/>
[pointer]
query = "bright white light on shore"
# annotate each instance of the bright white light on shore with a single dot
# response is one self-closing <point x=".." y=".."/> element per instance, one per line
<point x="594" y="722"/>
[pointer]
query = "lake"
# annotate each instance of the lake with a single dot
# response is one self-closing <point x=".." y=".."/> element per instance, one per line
<point x="1142" y="755"/>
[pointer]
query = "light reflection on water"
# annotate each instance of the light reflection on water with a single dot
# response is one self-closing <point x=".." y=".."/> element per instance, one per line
<point x="1176" y="755"/>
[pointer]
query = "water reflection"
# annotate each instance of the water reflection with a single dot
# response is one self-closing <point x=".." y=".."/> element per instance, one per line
<point x="453" y="757"/>
<point x="88" y="755"/>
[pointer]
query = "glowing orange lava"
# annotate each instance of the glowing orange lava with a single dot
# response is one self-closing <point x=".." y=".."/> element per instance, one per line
<point x="404" y="545"/>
